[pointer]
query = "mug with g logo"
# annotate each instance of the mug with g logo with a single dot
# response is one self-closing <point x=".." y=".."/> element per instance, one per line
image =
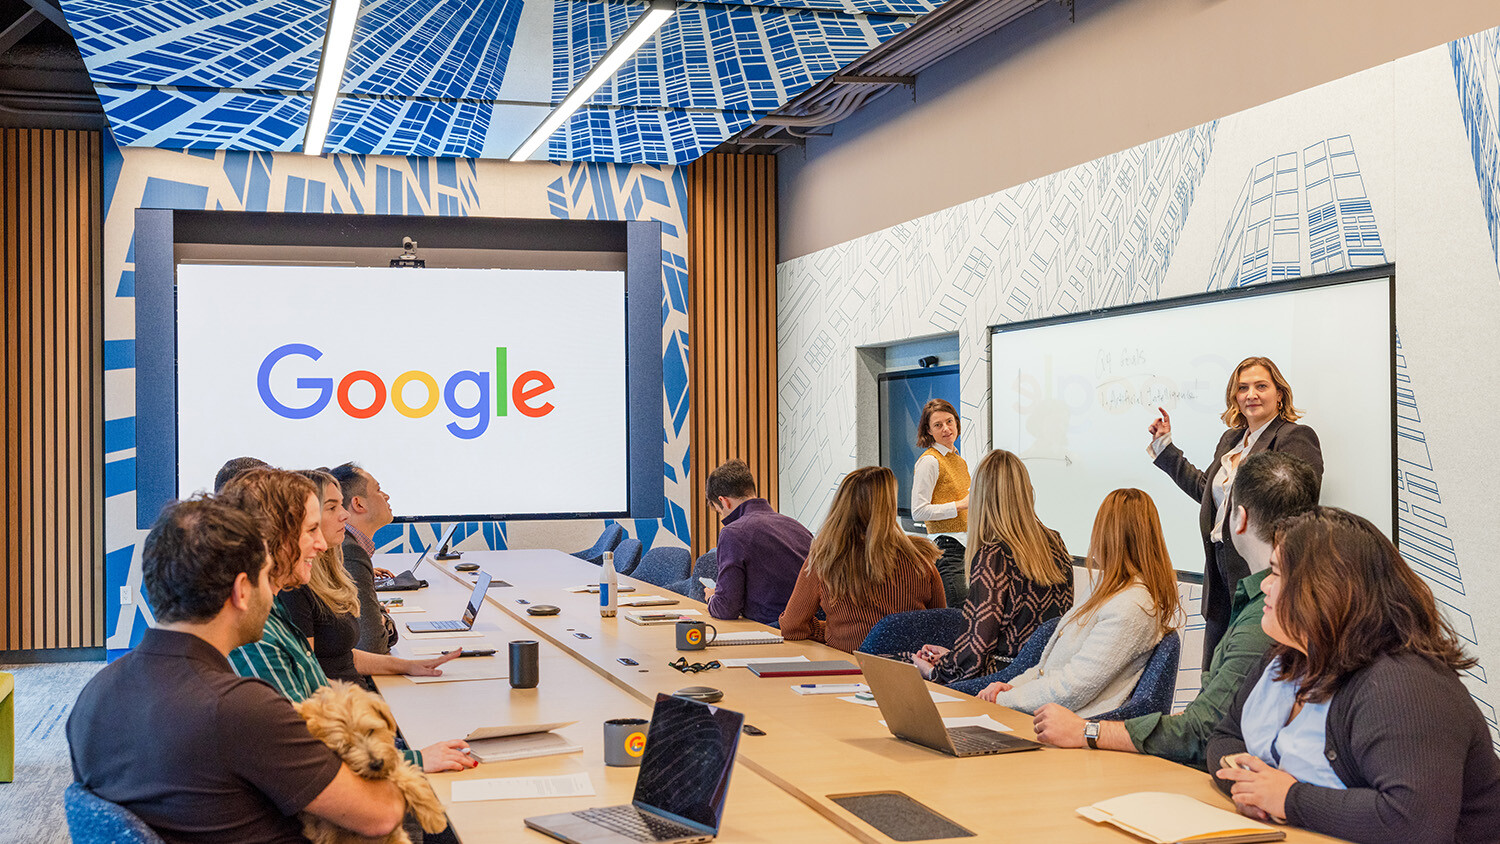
<point x="624" y="741"/>
<point x="691" y="636"/>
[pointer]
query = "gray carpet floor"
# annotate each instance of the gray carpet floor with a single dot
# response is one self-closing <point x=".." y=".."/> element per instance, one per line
<point x="32" y="806"/>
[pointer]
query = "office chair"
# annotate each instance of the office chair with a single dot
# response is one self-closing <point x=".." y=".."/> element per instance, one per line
<point x="662" y="566"/>
<point x="1157" y="686"/>
<point x="627" y="555"/>
<point x="94" y="820"/>
<point x="907" y="632"/>
<point x="607" y="541"/>
<point x="706" y="566"/>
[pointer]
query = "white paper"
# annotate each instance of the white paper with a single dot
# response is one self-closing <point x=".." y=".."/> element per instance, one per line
<point x="829" y="688"/>
<point x="523" y="788"/>
<point x="638" y="600"/>
<point x="594" y="587"/>
<point x="971" y="721"/>
<point x="400" y="608"/>
<point x="443" y="634"/>
<point x="438" y="650"/>
<point x="472" y="668"/>
<point x="747" y="661"/>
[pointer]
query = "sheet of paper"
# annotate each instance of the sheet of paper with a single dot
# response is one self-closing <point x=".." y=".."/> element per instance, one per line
<point x="973" y="721"/>
<point x="434" y="650"/>
<point x="747" y="661"/>
<point x="937" y="697"/>
<point x="473" y="668"/>
<point x="523" y="788"/>
<point x="404" y="608"/>
<point x="442" y="634"/>
<point x="638" y="600"/>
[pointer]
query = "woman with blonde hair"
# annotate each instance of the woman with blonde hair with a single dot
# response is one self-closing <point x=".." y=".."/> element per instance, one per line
<point x="326" y="608"/>
<point x="1260" y="416"/>
<point x="1019" y="573"/>
<point x="1094" y="659"/>
<point x="861" y="567"/>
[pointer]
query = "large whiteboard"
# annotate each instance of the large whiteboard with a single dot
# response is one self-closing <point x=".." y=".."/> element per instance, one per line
<point x="1074" y="399"/>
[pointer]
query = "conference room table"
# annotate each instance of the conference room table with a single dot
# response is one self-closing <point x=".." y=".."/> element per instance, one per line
<point x="814" y="747"/>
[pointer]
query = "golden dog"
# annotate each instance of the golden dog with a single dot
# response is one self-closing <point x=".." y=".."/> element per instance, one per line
<point x="359" y="727"/>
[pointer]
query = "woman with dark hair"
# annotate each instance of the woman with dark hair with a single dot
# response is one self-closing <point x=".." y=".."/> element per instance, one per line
<point x="1100" y="648"/>
<point x="861" y="566"/>
<point x="1260" y="416"/>
<point x="1019" y="571"/>
<point x="1358" y="725"/>
<point x="940" y="494"/>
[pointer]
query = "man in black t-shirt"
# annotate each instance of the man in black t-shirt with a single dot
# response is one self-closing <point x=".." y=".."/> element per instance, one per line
<point x="171" y="733"/>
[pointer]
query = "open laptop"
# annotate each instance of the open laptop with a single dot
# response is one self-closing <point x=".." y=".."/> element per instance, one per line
<point x="476" y="601"/>
<point x="910" y="713"/>
<point x="680" y="790"/>
<point x="408" y="580"/>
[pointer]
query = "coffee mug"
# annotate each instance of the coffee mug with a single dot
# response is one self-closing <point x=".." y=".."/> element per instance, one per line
<point x="624" y="741"/>
<point x="690" y="635"/>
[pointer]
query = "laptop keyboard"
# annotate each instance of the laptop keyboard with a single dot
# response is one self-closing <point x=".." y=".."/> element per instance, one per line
<point x="448" y="625"/>
<point x="632" y="823"/>
<point x="975" y="740"/>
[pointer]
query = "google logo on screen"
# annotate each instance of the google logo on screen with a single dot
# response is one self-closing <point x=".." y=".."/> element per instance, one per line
<point x="524" y="393"/>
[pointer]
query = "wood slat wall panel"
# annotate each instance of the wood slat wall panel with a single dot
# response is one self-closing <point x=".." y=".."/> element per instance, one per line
<point x="731" y="326"/>
<point x="52" y="383"/>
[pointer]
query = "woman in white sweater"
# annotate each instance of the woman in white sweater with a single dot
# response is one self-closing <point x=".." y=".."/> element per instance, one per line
<point x="1093" y="660"/>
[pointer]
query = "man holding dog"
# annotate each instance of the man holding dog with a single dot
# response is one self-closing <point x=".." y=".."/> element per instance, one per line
<point x="171" y="733"/>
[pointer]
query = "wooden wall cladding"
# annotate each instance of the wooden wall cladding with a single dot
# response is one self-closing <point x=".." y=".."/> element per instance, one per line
<point x="731" y="325"/>
<point x="52" y="384"/>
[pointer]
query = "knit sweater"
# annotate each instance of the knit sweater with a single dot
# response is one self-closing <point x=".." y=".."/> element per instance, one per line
<point x="1093" y="666"/>
<point x="847" y="622"/>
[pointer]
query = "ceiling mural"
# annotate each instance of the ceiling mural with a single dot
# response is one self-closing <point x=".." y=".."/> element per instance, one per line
<point x="465" y="78"/>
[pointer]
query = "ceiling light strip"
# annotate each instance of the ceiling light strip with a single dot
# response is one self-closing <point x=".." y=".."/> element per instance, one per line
<point x="342" y="15"/>
<point x="634" y="38"/>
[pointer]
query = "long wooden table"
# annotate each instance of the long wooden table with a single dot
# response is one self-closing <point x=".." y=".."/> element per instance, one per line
<point x="815" y="746"/>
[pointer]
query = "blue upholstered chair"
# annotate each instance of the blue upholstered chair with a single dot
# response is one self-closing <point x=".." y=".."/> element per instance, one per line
<point x="1029" y="655"/>
<point x="662" y="566"/>
<point x="906" y="632"/>
<point x="607" y="541"/>
<point x="1158" y="683"/>
<point x="627" y="555"/>
<point x="94" y="820"/>
<point x="706" y="566"/>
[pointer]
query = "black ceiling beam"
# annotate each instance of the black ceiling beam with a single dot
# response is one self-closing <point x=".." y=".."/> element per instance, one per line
<point x="20" y="29"/>
<point x="52" y="12"/>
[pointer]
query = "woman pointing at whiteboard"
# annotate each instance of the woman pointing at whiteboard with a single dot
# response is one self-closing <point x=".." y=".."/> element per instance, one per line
<point x="1258" y="410"/>
<point x="940" y="494"/>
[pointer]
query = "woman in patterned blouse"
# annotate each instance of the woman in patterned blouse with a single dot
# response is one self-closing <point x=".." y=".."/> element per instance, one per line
<point x="1019" y="571"/>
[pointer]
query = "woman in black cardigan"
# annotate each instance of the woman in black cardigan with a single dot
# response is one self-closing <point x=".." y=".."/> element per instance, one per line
<point x="1361" y="694"/>
<point x="1258" y="410"/>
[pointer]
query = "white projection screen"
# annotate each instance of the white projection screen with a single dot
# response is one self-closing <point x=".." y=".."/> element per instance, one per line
<point x="466" y="392"/>
<point x="1074" y="397"/>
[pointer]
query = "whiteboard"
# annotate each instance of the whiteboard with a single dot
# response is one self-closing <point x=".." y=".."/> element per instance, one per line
<point x="1074" y="399"/>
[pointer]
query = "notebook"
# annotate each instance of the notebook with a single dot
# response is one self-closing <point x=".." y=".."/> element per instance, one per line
<point x="1170" y="818"/>
<point x="681" y="786"/>
<point x="519" y="741"/>
<point x="748" y="637"/>
<point x="657" y="616"/>
<point x="911" y="715"/>
<point x="811" y="668"/>
<point x="476" y="601"/>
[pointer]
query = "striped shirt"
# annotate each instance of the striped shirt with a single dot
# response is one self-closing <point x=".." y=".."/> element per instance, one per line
<point x="847" y="623"/>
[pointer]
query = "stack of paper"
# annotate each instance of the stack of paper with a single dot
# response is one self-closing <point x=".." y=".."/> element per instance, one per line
<point x="1171" y="818"/>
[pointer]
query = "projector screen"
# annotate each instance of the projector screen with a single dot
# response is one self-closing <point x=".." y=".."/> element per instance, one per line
<point x="1074" y="398"/>
<point x="466" y="392"/>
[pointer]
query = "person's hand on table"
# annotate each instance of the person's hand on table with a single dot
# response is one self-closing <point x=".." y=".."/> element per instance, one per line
<point x="383" y="574"/>
<point x="448" y="755"/>
<point x="1058" y="726"/>
<point x="927" y="658"/>
<point x="1259" y="790"/>
<point x="989" y="692"/>
<point x="1162" y="425"/>
<point x="429" y="667"/>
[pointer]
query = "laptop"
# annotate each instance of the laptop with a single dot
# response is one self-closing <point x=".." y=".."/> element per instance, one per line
<point x="407" y="580"/>
<point x="910" y="713"/>
<point x="476" y="601"/>
<point x="680" y="790"/>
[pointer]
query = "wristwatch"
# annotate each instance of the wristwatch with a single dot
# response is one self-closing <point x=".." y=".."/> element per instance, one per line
<point x="1091" y="734"/>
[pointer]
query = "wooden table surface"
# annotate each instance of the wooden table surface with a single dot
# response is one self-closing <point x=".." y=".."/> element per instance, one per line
<point x="815" y="746"/>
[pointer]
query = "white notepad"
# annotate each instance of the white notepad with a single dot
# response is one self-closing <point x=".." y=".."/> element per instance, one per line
<point x="1167" y="818"/>
<point x="523" y="788"/>
<point x="475" y="668"/>
<point x="748" y="637"/>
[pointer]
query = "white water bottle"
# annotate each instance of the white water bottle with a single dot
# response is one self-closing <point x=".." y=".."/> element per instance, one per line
<point x="608" y="583"/>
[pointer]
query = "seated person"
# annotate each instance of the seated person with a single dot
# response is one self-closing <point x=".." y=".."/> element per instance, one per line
<point x="233" y="467"/>
<point x="861" y="567"/>
<point x="285" y="506"/>
<point x="1094" y="659"/>
<point x="760" y="551"/>
<point x="1020" y="575"/>
<point x="369" y="510"/>
<point x="171" y="733"/>
<point x="1357" y="725"/>
<point x="326" y="608"/>
<point x="1269" y="486"/>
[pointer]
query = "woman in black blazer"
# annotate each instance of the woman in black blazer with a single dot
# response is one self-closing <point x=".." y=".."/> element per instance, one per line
<point x="1258" y="410"/>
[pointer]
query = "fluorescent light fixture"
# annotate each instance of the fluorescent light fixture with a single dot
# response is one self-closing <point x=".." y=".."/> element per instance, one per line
<point x="635" y="37"/>
<point x="342" y="15"/>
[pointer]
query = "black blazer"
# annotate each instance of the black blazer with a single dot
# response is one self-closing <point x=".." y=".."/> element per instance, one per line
<point x="361" y="568"/>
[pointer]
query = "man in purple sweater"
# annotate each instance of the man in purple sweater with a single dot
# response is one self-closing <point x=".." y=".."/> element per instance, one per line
<point x="760" y="551"/>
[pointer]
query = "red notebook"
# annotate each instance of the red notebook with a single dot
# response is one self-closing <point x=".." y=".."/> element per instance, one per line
<point x="804" y="669"/>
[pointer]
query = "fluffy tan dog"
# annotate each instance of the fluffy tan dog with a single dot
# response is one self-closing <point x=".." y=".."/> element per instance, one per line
<point x="360" y="729"/>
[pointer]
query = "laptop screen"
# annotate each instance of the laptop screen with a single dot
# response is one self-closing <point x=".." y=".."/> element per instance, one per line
<point x="435" y="547"/>
<point x="689" y="752"/>
<point x="476" y="600"/>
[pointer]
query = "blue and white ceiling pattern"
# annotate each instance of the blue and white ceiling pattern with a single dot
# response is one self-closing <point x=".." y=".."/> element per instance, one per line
<point x="465" y="78"/>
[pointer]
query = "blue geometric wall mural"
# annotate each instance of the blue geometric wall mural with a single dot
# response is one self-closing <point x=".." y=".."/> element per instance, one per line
<point x="1476" y="73"/>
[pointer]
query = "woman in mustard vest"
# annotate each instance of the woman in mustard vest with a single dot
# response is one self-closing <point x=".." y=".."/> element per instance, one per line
<point x="940" y="494"/>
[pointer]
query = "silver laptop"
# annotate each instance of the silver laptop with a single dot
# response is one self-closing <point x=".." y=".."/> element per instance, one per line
<point x="476" y="601"/>
<point x="435" y="548"/>
<point x="910" y="713"/>
<point x="680" y="790"/>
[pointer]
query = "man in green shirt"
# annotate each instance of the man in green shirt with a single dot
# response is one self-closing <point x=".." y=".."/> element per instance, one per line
<point x="1269" y="486"/>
